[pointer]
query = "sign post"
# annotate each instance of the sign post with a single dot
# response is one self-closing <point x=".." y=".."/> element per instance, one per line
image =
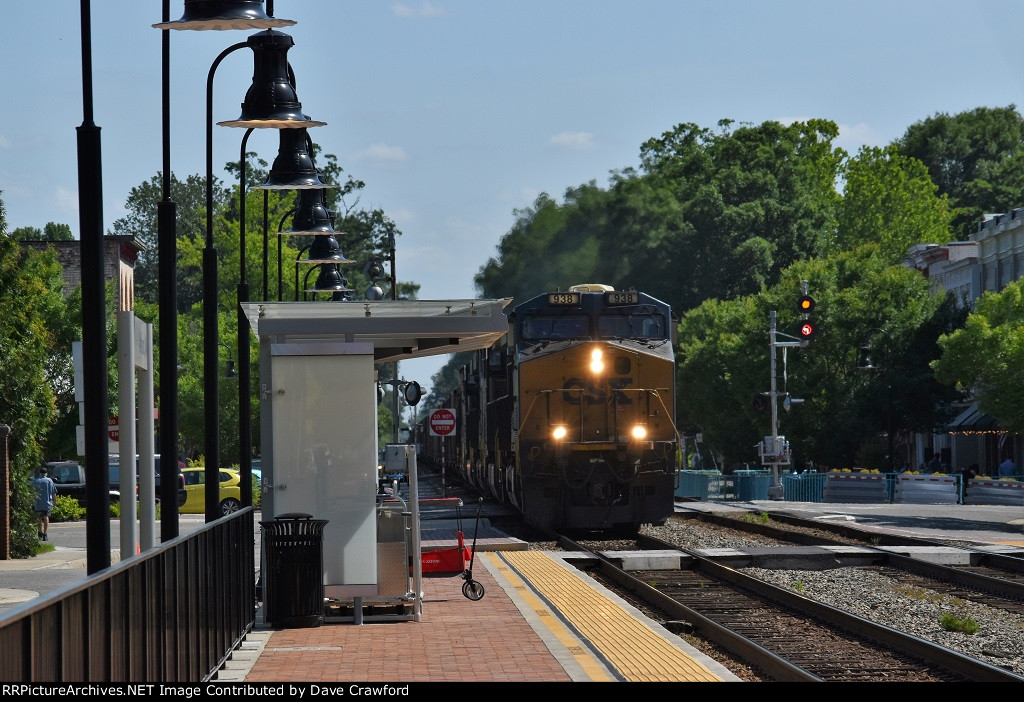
<point x="442" y="424"/>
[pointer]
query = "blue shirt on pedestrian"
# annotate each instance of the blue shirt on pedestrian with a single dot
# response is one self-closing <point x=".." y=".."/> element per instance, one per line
<point x="1007" y="467"/>
<point x="45" y="492"/>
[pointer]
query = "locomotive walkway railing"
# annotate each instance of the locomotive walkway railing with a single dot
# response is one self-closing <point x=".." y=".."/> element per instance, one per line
<point x="172" y="614"/>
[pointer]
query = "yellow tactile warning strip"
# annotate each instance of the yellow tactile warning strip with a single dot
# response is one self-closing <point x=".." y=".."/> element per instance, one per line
<point x="587" y="666"/>
<point x="630" y="649"/>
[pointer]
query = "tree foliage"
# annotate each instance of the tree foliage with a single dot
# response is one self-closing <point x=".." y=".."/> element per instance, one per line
<point x="711" y="214"/>
<point x="861" y="300"/>
<point x="890" y="199"/>
<point x="974" y="157"/>
<point x="986" y="356"/>
<point x="30" y="294"/>
<point x="51" y="232"/>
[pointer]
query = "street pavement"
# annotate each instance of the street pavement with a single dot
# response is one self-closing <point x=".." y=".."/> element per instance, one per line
<point x="25" y="579"/>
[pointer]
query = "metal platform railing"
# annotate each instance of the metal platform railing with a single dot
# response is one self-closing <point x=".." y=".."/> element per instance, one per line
<point x="172" y="614"/>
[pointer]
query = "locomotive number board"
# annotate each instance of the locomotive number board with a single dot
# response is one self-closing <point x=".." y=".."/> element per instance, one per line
<point x="566" y="298"/>
<point x="621" y="298"/>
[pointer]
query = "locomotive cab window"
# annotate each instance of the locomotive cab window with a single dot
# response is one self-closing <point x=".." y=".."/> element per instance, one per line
<point x="548" y="327"/>
<point x="631" y="326"/>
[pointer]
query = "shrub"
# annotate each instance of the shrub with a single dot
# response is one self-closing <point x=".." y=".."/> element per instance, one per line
<point x="66" y="509"/>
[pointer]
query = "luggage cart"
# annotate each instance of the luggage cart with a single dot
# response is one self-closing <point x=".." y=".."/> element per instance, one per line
<point x="446" y="560"/>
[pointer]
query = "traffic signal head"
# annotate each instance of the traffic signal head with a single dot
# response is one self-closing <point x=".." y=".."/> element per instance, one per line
<point x="760" y="403"/>
<point x="805" y="304"/>
<point x="805" y="330"/>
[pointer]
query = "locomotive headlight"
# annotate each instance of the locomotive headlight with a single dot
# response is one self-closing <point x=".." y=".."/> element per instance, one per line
<point x="639" y="432"/>
<point x="596" y="361"/>
<point x="558" y="433"/>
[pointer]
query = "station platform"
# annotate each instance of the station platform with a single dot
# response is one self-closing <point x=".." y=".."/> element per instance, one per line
<point x="540" y="620"/>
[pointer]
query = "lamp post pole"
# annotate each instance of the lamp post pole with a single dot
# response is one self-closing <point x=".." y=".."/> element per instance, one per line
<point x="244" y="372"/>
<point x="211" y="383"/>
<point x="167" y="253"/>
<point x="94" y="329"/>
<point x="394" y="366"/>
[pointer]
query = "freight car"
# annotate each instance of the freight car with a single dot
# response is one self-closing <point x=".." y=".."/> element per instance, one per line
<point x="569" y="418"/>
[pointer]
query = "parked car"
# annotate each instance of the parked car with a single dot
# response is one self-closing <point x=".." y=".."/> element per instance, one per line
<point x="195" y="485"/>
<point x="69" y="479"/>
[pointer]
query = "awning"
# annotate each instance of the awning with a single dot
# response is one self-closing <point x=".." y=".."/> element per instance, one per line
<point x="398" y="329"/>
<point x="973" y="419"/>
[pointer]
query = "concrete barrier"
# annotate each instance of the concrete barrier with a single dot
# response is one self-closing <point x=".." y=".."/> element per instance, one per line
<point x="988" y="491"/>
<point x="927" y="489"/>
<point x="855" y="488"/>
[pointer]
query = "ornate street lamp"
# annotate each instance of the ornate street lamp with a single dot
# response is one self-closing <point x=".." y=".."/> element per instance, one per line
<point x="198" y="15"/>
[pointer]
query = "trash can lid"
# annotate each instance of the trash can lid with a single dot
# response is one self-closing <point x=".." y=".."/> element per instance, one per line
<point x="294" y="515"/>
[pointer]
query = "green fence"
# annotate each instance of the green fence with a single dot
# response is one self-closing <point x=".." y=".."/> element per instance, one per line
<point x="747" y="485"/>
<point x="803" y="487"/>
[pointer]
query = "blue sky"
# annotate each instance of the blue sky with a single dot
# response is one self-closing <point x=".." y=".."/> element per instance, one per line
<point x="458" y="112"/>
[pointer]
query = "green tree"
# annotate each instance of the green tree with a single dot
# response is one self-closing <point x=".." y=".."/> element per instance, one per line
<point x="51" y="232"/>
<point x="889" y="199"/>
<point x="723" y="360"/>
<point x="974" y="158"/>
<point x="30" y="292"/>
<point x="141" y="222"/>
<point x="711" y="214"/>
<point x="986" y="357"/>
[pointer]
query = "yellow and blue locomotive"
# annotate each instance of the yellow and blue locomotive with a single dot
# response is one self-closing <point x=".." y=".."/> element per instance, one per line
<point x="570" y="417"/>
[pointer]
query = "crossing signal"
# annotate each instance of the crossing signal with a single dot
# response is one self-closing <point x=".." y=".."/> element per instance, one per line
<point x="807" y="327"/>
<point x="805" y="331"/>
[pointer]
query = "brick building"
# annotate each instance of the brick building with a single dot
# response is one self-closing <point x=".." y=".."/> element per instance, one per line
<point x="119" y="256"/>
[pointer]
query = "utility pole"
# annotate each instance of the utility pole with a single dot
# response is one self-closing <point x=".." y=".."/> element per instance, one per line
<point x="775" y="449"/>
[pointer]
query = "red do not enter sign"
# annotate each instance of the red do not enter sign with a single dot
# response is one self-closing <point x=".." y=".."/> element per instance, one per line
<point x="442" y="422"/>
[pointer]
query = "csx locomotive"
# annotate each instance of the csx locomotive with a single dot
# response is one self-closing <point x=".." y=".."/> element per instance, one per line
<point x="569" y="417"/>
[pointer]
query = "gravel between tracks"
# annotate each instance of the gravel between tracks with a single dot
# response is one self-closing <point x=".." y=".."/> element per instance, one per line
<point x="999" y="640"/>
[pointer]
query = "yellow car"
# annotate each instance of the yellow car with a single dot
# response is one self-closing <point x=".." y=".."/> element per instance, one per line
<point x="195" y="485"/>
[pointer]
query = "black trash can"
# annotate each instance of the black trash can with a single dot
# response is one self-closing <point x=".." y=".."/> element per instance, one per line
<point x="293" y="594"/>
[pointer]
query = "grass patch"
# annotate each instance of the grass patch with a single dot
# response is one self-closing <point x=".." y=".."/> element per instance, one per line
<point x="965" y="624"/>
<point x="757" y="518"/>
<point x="42" y="547"/>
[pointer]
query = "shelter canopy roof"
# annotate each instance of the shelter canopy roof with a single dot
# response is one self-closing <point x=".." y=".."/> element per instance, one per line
<point x="398" y="329"/>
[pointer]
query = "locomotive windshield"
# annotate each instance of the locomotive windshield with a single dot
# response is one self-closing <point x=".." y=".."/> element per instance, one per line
<point x="631" y="326"/>
<point x="548" y="327"/>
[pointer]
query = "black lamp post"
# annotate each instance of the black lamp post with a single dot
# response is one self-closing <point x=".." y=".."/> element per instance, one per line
<point x="198" y="15"/>
<point x="94" y="330"/>
<point x="270" y="102"/>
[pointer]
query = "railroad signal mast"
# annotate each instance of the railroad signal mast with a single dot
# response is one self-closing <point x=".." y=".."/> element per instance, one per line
<point x="774" y="449"/>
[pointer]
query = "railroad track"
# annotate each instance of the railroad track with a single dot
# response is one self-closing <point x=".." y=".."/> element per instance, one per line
<point x="995" y="579"/>
<point x="783" y="634"/>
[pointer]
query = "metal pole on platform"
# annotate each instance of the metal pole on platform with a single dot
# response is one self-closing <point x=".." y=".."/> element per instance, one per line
<point x="417" y="550"/>
<point x="775" y="489"/>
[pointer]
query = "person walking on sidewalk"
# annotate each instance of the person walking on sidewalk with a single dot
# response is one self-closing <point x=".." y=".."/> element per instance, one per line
<point x="45" y="492"/>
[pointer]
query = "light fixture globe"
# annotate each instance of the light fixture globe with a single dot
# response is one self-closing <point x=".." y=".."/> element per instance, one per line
<point x="271" y="101"/>
<point x="224" y="14"/>
<point x="325" y="249"/>
<point x="330" y="280"/>
<point x="311" y="217"/>
<point x="293" y="168"/>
